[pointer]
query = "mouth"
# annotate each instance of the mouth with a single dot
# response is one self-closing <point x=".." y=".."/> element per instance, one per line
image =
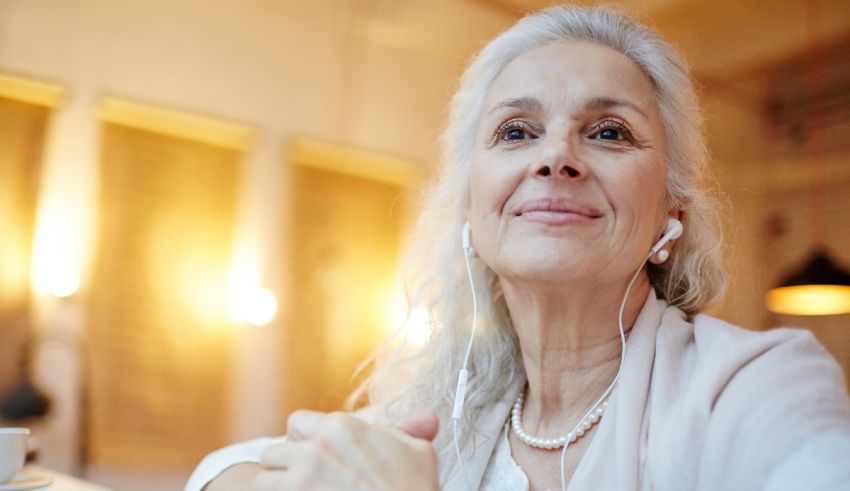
<point x="555" y="211"/>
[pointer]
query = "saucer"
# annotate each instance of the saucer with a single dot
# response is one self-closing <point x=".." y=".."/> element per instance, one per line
<point x="24" y="482"/>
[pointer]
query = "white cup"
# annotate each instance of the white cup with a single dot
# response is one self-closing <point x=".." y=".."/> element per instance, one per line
<point x="13" y="452"/>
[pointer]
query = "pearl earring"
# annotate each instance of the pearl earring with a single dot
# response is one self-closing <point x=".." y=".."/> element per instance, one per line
<point x="663" y="255"/>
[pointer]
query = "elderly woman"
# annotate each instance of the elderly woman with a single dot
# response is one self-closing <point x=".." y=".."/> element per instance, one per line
<point x="566" y="254"/>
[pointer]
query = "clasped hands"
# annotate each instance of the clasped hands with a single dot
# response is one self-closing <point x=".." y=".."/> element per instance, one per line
<point x="325" y="451"/>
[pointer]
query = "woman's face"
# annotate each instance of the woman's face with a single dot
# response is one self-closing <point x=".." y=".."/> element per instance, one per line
<point x="567" y="179"/>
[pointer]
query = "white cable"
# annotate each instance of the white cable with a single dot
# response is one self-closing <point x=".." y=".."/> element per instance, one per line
<point x="616" y="377"/>
<point x="463" y="375"/>
<point x="474" y="309"/>
<point x="455" y="424"/>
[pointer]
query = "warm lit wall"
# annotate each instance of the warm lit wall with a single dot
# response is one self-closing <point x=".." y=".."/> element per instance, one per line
<point x="159" y="339"/>
<point x="365" y="75"/>
<point x="22" y="129"/>
<point x="332" y="69"/>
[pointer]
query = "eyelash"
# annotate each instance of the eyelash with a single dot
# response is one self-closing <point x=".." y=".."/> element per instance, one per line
<point x="500" y="135"/>
<point x="610" y="124"/>
<point x="514" y="124"/>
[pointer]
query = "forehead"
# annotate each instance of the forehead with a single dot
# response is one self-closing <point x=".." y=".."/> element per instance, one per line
<point x="566" y="70"/>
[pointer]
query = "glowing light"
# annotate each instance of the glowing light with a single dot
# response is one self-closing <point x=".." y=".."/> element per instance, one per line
<point x="256" y="307"/>
<point x="418" y="329"/>
<point x="64" y="283"/>
<point x="810" y="300"/>
<point x="204" y="299"/>
<point x="66" y="209"/>
<point x="56" y="279"/>
<point x="416" y="326"/>
<point x="395" y="311"/>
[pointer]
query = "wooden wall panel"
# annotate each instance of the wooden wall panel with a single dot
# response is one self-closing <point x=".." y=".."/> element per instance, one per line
<point x="22" y="132"/>
<point x="160" y="343"/>
<point x="344" y="247"/>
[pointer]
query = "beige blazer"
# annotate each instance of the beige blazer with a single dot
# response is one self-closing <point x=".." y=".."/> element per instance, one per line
<point x="705" y="406"/>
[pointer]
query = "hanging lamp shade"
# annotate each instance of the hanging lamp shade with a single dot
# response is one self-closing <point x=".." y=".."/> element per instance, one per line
<point x="25" y="401"/>
<point x="820" y="288"/>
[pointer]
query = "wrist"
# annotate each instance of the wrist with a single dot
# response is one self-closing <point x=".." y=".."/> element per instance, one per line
<point x="238" y="477"/>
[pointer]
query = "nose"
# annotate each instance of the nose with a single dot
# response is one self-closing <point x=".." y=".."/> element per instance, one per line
<point x="558" y="158"/>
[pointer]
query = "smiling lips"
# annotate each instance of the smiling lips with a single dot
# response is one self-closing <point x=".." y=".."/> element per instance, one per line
<point x="557" y="211"/>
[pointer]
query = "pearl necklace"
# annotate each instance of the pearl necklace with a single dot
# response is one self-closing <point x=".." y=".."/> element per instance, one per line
<point x="553" y="443"/>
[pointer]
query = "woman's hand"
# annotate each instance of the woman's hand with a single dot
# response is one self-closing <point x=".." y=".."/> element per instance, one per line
<point x="338" y="451"/>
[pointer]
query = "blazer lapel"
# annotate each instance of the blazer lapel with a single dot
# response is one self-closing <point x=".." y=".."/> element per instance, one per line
<point x="487" y="429"/>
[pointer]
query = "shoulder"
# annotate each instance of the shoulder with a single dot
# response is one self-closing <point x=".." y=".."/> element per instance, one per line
<point x="725" y="376"/>
<point x="712" y="333"/>
<point x="740" y="404"/>
<point x="710" y="348"/>
<point x="728" y="349"/>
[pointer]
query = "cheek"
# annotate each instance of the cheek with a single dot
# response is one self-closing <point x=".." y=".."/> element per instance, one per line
<point x="647" y="193"/>
<point x="492" y="181"/>
<point x="647" y="190"/>
<point x="636" y="190"/>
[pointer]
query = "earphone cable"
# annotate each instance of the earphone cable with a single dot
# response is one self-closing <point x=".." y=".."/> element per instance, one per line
<point x="616" y="377"/>
<point x="460" y="395"/>
<point x="474" y="309"/>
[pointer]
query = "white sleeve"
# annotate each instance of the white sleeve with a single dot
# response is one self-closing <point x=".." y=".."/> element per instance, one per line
<point x="218" y="461"/>
<point x="819" y="465"/>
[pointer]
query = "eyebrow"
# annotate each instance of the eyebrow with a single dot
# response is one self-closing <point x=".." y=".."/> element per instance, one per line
<point x="599" y="103"/>
<point x="529" y="104"/>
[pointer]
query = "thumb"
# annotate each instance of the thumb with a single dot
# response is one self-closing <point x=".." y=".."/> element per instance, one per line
<point x="422" y="425"/>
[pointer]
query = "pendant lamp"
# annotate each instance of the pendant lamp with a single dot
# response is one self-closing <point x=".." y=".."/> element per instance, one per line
<point x="821" y="287"/>
<point x="25" y="401"/>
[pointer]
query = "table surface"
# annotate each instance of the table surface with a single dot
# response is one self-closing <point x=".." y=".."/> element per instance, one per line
<point x="61" y="482"/>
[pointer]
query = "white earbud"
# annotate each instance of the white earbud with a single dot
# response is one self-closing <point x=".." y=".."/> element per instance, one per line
<point x="467" y="239"/>
<point x="674" y="231"/>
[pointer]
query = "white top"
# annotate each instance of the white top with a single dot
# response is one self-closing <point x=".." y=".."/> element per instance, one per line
<point x="503" y="473"/>
<point x="699" y="405"/>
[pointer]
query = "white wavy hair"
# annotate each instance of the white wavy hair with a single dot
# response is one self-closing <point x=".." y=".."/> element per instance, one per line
<point x="403" y="381"/>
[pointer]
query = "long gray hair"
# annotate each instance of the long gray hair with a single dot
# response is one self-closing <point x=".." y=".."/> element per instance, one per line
<point x="403" y="381"/>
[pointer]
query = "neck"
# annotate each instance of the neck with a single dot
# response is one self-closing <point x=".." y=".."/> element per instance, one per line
<point x="570" y="342"/>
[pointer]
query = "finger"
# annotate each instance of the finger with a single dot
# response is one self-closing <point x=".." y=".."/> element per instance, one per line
<point x="304" y="424"/>
<point x="424" y="425"/>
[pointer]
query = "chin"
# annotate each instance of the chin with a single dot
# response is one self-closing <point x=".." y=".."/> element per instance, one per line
<point x="549" y="268"/>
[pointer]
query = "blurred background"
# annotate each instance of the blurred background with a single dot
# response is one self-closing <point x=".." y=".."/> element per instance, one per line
<point x="203" y="202"/>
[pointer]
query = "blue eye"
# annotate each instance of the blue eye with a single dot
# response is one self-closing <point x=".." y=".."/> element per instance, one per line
<point x="612" y="131"/>
<point x="514" y="131"/>
<point x="610" y="134"/>
<point x="515" y="134"/>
